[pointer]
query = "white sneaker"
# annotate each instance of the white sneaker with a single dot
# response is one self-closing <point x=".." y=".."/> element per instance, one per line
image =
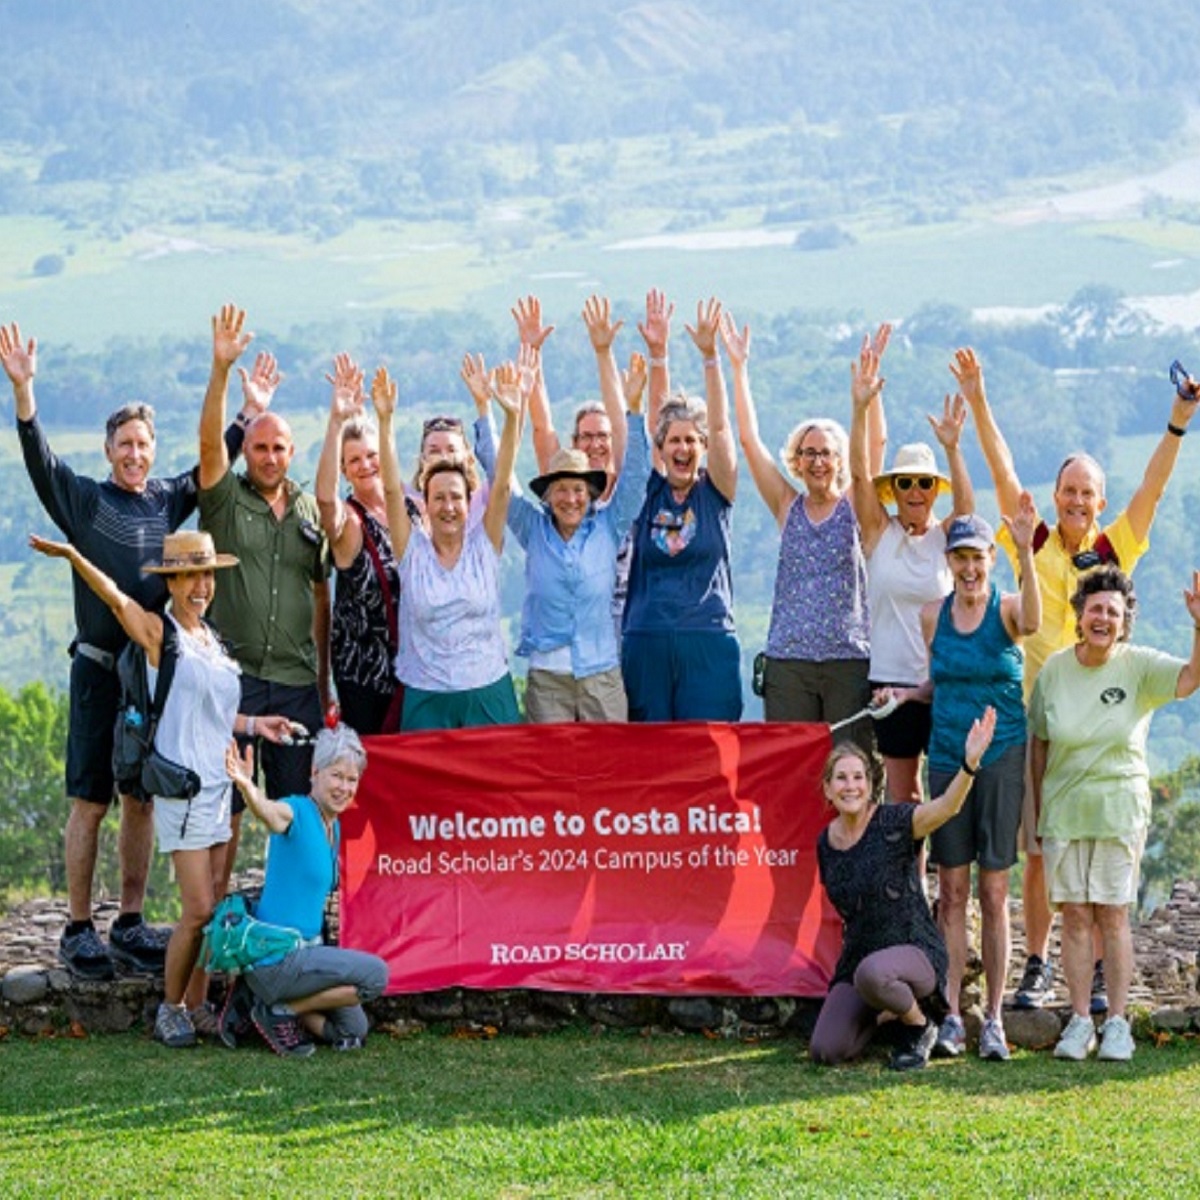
<point x="1116" y="1040"/>
<point x="1078" y="1039"/>
<point x="993" y="1045"/>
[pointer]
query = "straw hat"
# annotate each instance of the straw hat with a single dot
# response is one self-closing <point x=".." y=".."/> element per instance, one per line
<point x="570" y="464"/>
<point x="915" y="460"/>
<point x="188" y="551"/>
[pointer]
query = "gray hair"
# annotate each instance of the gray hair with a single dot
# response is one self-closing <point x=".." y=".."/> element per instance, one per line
<point x="337" y="743"/>
<point x="790" y="451"/>
<point x="135" y="411"/>
<point x="681" y="408"/>
<point x="587" y="409"/>
<point x="1088" y="461"/>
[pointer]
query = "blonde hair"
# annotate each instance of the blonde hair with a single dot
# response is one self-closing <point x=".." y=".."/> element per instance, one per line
<point x="789" y="454"/>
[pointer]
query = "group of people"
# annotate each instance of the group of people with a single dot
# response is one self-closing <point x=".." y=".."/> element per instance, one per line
<point x="628" y="615"/>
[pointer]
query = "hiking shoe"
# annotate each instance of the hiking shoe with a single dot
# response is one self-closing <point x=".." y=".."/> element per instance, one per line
<point x="85" y="955"/>
<point x="993" y="1045"/>
<point x="139" y="947"/>
<point x="914" y="1045"/>
<point x="951" y="1038"/>
<point x="1037" y="984"/>
<point x="1116" y="1040"/>
<point x="173" y="1027"/>
<point x="1078" y="1039"/>
<point x="1099" y="1001"/>
<point x="206" y="1021"/>
<point x="234" y="1021"/>
<point x="282" y="1031"/>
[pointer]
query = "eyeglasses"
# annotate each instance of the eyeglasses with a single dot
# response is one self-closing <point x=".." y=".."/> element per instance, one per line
<point x="586" y="438"/>
<point x="443" y="425"/>
<point x="811" y="455"/>
<point x="903" y="482"/>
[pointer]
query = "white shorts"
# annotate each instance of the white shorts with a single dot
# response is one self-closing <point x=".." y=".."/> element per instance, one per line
<point x="196" y="824"/>
<point x="1092" y="870"/>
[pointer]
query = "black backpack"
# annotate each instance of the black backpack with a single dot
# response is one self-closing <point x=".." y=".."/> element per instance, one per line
<point x="138" y="768"/>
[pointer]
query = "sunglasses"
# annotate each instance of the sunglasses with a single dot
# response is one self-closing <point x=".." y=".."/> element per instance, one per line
<point x="903" y="482"/>
<point x="443" y="425"/>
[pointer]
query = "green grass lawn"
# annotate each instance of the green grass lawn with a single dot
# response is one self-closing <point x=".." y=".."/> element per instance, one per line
<point x="574" y="1114"/>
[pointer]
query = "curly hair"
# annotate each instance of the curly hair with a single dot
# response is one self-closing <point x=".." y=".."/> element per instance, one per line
<point x="681" y="408"/>
<point x="463" y="465"/>
<point x="789" y="454"/>
<point x="1106" y="579"/>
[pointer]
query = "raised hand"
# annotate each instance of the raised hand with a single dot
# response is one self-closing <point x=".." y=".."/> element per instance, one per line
<point x="737" y="345"/>
<point x="704" y="332"/>
<point x="656" y="329"/>
<point x="20" y="362"/>
<point x="865" y="381"/>
<point x="968" y="374"/>
<point x="507" y="380"/>
<point x="1022" y="524"/>
<point x="633" y="382"/>
<point x="384" y="394"/>
<point x="229" y="339"/>
<point x="478" y="380"/>
<point x="948" y="428"/>
<point x="346" y="401"/>
<point x="528" y="315"/>
<point x="979" y="737"/>
<point x="240" y="767"/>
<point x="50" y="549"/>
<point x="529" y="363"/>
<point x="879" y="343"/>
<point x="597" y="316"/>
<point x="260" y="385"/>
<point x="1192" y="599"/>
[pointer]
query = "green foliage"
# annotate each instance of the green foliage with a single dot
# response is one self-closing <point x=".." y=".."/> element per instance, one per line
<point x="1173" y="843"/>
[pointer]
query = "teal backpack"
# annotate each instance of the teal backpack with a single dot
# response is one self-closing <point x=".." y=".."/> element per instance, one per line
<point x="236" y="941"/>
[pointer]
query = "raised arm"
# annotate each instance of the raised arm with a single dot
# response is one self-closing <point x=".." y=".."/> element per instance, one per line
<point x="656" y="333"/>
<point x="1022" y="613"/>
<point x="532" y="333"/>
<point x="345" y="403"/>
<point x="935" y="813"/>
<point x="775" y="490"/>
<point x="1144" y="503"/>
<point x="274" y="814"/>
<point x="141" y="626"/>
<point x="876" y="421"/>
<point x="229" y="341"/>
<point x="866" y="390"/>
<point x="1189" y="674"/>
<point x="602" y="331"/>
<point x="722" y="450"/>
<point x="968" y="374"/>
<point x="948" y="430"/>
<point x="384" y="393"/>
<point x="20" y="365"/>
<point x="513" y="384"/>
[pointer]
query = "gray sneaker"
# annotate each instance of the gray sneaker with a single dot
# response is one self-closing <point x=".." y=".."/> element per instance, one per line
<point x="1037" y="984"/>
<point x="951" y="1038"/>
<point x="139" y="947"/>
<point x="85" y="955"/>
<point x="993" y="1045"/>
<point x="281" y="1031"/>
<point x="173" y="1027"/>
<point x="1116" y="1040"/>
<point x="1078" y="1039"/>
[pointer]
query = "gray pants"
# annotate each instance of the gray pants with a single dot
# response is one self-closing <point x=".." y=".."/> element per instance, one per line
<point x="313" y="969"/>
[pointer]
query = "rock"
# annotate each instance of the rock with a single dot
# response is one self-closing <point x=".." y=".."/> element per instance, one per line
<point x="696" y="1013"/>
<point x="1171" y="1020"/>
<point x="1032" y="1028"/>
<point x="25" y="985"/>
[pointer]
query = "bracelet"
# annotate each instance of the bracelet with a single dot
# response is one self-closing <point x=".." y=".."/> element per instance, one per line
<point x="712" y="362"/>
<point x="242" y="419"/>
<point x="1175" y="429"/>
<point x="249" y="726"/>
<point x="967" y="769"/>
<point x="658" y="362"/>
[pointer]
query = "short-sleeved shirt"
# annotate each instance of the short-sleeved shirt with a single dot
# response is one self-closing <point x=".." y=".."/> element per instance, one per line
<point x="301" y="870"/>
<point x="1058" y="578"/>
<point x="264" y="607"/>
<point x="877" y="892"/>
<point x="1096" y="720"/>
<point x="680" y="578"/>
<point x="116" y="530"/>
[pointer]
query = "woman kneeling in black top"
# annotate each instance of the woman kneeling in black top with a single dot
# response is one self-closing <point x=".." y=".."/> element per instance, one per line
<point x="893" y="956"/>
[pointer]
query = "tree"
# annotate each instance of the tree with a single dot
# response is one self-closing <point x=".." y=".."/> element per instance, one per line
<point x="1173" y="842"/>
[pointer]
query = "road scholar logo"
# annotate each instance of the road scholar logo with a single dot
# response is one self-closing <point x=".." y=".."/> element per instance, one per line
<point x="520" y="953"/>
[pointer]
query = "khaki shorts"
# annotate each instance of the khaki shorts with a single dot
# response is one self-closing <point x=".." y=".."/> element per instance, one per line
<point x="551" y="698"/>
<point x="1092" y="870"/>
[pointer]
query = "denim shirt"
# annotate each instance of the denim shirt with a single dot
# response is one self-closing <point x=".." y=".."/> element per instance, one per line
<point x="569" y="584"/>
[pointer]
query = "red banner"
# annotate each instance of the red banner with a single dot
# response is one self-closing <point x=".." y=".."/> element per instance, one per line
<point x="673" y="858"/>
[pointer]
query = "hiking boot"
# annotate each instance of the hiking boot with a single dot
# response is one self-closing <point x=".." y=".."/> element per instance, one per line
<point x="993" y="1045"/>
<point x="1116" y="1040"/>
<point x="1078" y="1039"/>
<point x="951" y="1038"/>
<point x="1099" y="1001"/>
<point x="1036" y="986"/>
<point x="206" y="1021"/>
<point x="234" y="1021"/>
<point x="85" y="955"/>
<point x="173" y="1027"/>
<point x="914" y="1044"/>
<point x="139" y="947"/>
<point x="282" y="1031"/>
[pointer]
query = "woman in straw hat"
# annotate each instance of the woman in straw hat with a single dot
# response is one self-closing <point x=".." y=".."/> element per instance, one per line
<point x="571" y="551"/>
<point x="906" y="561"/>
<point x="198" y="715"/>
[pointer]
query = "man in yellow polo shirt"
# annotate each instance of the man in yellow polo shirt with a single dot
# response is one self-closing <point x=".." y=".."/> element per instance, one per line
<point x="1076" y="543"/>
